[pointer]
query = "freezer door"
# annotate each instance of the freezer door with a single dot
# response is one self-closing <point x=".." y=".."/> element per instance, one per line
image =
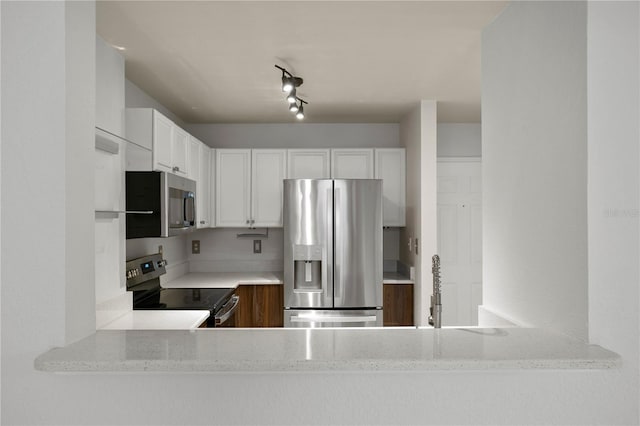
<point x="308" y="243"/>
<point x="357" y="275"/>
<point x="332" y="318"/>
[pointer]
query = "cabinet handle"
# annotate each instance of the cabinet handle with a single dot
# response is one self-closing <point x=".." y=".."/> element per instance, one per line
<point x="202" y="222"/>
<point x="176" y="169"/>
<point x="248" y="221"/>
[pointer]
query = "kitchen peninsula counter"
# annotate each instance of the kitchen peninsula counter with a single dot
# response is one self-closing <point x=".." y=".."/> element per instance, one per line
<point x="375" y="349"/>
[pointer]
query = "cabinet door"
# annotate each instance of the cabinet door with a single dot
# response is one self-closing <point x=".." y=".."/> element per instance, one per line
<point x="194" y="159"/>
<point x="233" y="187"/>
<point x="162" y="142"/>
<point x="397" y="304"/>
<point x="268" y="169"/>
<point x="390" y="167"/>
<point x="203" y="191"/>
<point x="212" y="187"/>
<point x="352" y="163"/>
<point x="308" y="164"/>
<point x="179" y="151"/>
<point x="261" y="305"/>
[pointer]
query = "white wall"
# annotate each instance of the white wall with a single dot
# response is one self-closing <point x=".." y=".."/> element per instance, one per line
<point x="459" y="140"/>
<point x="137" y="98"/>
<point x="534" y="152"/>
<point x="614" y="183"/>
<point x="110" y="94"/>
<point x="33" y="308"/>
<point x="418" y="134"/>
<point x="298" y="135"/>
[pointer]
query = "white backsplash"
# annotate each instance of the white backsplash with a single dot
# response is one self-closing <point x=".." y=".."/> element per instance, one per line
<point x="221" y="250"/>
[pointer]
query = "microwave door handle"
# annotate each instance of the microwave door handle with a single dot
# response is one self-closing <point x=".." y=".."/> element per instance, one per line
<point x="189" y="210"/>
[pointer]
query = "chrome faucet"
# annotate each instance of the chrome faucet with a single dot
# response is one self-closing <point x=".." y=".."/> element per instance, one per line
<point x="435" y="317"/>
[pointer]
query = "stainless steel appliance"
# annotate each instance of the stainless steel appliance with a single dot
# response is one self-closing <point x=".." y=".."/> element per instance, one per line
<point x="332" y="252"/>
<point x="169" y="199"/>
<point x="143" y="279"/>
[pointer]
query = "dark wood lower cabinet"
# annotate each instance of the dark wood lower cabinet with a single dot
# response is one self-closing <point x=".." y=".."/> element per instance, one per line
<point x="397" y="304"/>
<point x="261" y="305"/>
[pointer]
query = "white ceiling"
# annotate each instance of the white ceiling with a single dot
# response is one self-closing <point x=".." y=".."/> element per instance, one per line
<point x="213" y="61"/>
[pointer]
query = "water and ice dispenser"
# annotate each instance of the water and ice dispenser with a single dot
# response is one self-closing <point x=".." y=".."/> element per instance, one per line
<point x="307" y="265"/>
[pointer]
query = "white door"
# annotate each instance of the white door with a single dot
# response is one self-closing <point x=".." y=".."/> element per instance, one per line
<point x="460" y="239"/>
<point x="233" y="187"/>
<point x="352" y="163"/>
<point x="391" y="168"/>
<point x="308" y="164"/>
<point x="268" y="169"/>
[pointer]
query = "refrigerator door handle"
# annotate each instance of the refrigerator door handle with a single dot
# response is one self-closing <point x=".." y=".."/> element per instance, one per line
<point x="337" y="245"/>
<point x="337" y="318"/>
<point x="328" y="277"/>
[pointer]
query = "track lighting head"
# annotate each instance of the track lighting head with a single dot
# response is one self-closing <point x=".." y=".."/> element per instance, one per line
<point x="300" y="113"/>
<point x="292" y="96"/>
<point x="293" y="107"/>
<point x="287" y="84"/>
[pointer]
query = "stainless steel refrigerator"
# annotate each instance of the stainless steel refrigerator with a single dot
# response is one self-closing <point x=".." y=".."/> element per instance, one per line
<point x="332" y="252"/>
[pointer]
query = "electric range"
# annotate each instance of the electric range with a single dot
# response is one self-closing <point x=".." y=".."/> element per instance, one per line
<point x="143" y="279"/>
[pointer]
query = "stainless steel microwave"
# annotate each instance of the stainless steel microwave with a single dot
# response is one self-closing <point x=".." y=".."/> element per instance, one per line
<point x="159" y="204"/>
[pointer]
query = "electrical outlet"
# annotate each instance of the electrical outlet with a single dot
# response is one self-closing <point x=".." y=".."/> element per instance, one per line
<point x="195" y="246"/>
<point x="415" y="241"/>
<point x="257" y="246"/>
<point x="410" y="244"/>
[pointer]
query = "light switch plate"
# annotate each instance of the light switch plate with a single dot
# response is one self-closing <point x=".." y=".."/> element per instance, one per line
<point x="257" y="246"/>
<point x="195" y="246"/>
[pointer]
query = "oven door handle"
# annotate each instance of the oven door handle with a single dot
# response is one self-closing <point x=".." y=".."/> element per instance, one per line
<point x="227" y="310"/>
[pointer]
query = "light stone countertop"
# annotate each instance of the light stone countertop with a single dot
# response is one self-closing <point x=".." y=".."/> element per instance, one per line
<point x="223" y="279"/>
<point x="395" y="278"/>
<point x="345" y="349"/>
<point x="233" y="279"/>
<point x="158" y="320"/>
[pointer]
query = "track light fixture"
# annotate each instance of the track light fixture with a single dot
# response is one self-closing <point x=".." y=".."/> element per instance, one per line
<point x="289" y="84"/>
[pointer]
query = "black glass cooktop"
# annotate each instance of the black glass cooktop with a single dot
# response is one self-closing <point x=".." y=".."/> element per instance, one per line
<point x="185" y="298"/>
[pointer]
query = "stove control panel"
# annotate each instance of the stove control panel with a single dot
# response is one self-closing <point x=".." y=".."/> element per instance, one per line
<point x="144" y="269"/>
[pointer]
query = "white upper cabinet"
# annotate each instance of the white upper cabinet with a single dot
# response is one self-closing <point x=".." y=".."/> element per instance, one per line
<point x="168" y="143"/>
<point x="233" y="187"/>
<point x="268" y="170"/>
<point x="352" y="163"/>
<point x="308" y="164"/>
<point x="390" y="167"/>
<point x="249" y="187"/>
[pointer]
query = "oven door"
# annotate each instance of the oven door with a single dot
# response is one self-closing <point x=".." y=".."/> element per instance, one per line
<point x="225" y="313"/>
